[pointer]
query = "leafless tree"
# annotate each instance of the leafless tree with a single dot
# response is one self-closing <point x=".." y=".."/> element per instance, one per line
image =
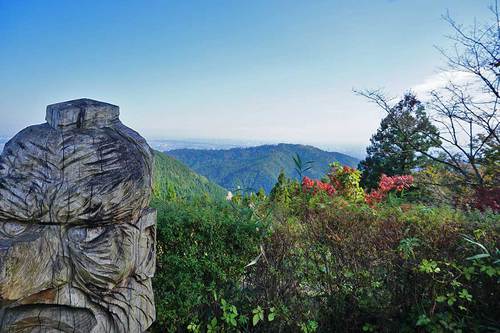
<point x="466" y="109"/>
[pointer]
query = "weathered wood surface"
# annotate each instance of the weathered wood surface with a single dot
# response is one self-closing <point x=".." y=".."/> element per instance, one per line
<point x="77" y="239"/>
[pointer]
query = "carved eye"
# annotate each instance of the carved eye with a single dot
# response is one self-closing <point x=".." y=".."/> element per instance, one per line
<point x="12" y="229"/>
<point x="85" y="234"/>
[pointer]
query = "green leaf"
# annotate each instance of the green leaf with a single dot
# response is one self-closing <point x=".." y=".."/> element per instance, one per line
<point x="479" y="256"/>
<point x="255" y="319"/>
<point x="489" y="270"/>
<point x="464" y="293"/>
<point x="243" y="319"/>
<point x="468" y="239"/>
<point x="423" y="320"/>
<point x="440" y="299"/>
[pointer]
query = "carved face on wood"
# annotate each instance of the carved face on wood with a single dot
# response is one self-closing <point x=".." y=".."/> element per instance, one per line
<point x="77" y="241"/>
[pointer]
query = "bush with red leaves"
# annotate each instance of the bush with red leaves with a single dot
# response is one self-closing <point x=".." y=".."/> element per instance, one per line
<point x="315" y="186"/>
<point x="488" y="198"/>
<point x="386" y="185"/>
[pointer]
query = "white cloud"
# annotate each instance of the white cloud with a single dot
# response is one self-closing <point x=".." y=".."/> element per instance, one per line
<point x="440" y="80"/>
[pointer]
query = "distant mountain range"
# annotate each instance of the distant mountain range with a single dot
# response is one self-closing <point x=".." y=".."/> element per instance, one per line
<point x="255" y="167"/>
<point x="356" y="150"/>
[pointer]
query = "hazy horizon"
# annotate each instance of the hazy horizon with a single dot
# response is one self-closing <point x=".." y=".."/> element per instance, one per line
<point x="260" y="71"/>
<point x="166" y="144"/>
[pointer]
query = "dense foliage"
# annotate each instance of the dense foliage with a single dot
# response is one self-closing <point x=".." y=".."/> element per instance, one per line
<point x="320" y="256"/>
<point x="392" y="266"/>
<point x="203" y="247"/>
<point x="257" y="167"/>
<point x="173" y="179"/>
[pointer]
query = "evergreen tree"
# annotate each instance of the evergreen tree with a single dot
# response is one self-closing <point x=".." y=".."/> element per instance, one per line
<point x="280" y="191"/>
<point x="393" y="150"/>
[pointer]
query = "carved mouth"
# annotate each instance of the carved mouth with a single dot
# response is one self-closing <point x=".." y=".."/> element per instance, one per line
<point x="47" y="318"/>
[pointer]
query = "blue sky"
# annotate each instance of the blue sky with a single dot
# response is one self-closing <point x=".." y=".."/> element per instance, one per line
<point x="264" y="70"/>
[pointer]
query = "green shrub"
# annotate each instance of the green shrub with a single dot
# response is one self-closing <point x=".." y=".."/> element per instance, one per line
<point x="315" y="261"/>
<point x="203" y="247"/>
<point x="393" y="267"/>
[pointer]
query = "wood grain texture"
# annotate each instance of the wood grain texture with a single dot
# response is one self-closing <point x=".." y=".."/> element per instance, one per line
<point x="77" y="239"/>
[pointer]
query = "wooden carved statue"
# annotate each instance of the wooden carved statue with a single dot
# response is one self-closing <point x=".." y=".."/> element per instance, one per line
<point x="77" y="239"/>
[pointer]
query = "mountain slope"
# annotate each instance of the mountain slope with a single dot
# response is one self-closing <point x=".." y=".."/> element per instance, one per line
<point x="256" y="167"/>
<point x="171" y="176"/>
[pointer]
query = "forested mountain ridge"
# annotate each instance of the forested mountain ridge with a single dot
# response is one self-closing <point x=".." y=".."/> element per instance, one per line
<point x="257" y="167"/>
<point x="173" y="178"/>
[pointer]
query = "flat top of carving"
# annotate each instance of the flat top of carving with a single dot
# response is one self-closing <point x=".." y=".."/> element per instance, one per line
<point x="81" y="102"/>
<point x="82" y="113"/>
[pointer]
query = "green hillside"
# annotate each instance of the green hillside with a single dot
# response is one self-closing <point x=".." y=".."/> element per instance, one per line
<point x="256" y="167"/>
<point x="171" y="176"/>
